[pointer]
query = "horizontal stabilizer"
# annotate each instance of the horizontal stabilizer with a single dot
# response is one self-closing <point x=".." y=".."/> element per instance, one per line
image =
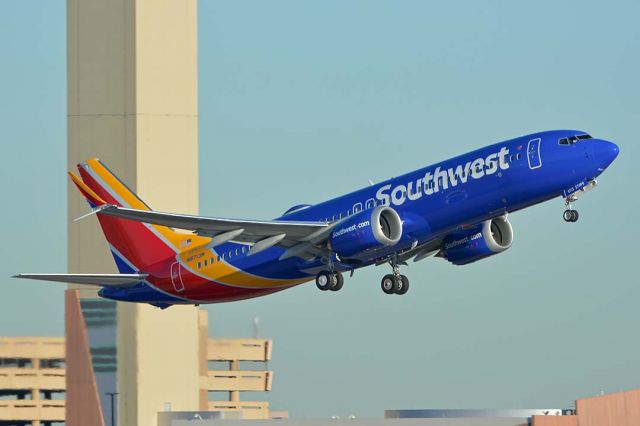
<point x="102" y="280"/>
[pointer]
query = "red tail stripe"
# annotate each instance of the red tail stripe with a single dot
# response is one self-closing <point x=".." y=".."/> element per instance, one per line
<point x="133" y="239"/>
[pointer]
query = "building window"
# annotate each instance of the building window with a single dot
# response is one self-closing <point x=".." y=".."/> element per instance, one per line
<point x="52" y="363"/>
<point x="16" y="363"/>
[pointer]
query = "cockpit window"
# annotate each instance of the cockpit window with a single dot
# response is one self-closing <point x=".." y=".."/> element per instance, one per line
<point x="570" y="140"/>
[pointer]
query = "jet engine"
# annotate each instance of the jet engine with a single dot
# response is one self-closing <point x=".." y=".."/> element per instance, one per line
<point x="366" y="232"/>
<point x="478" y="242"/>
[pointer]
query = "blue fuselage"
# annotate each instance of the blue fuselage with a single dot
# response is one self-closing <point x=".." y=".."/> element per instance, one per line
<point x="440" y="198"/>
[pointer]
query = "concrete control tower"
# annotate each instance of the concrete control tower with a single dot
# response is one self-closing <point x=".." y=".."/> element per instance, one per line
<point x="133" y="102"/>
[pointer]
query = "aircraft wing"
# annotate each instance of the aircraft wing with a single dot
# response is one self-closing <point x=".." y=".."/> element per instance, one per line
<point x="299" y="236"/>
<point x="101" y="280"/>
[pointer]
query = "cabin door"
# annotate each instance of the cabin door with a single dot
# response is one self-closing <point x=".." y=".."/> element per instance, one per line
<point x="176" y="276"/>
<point x="533" y="154"/>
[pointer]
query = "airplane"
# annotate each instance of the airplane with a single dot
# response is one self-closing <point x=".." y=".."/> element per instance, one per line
<point x="456" y="210"/>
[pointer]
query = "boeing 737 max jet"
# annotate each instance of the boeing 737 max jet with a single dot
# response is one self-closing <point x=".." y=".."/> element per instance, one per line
<point x="456" y="209"/>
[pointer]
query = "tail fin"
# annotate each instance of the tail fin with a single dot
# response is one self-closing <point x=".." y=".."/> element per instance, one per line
<point x="134" y="245"/>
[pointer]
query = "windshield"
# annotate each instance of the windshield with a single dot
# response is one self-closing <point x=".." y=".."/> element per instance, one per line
<point x="570" y="140"/>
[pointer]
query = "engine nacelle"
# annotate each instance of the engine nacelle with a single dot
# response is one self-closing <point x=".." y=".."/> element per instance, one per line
<point x="478" y="242"/>
<point x="366" y="231"/>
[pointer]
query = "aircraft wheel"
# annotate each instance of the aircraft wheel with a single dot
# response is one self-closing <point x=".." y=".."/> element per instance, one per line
<point x="567" y="215"/>
<point x="389" y="284"/>
<point x="575" y="216"/>
<point x="403" y="284"/>
<point x="570" y="215"/>
<point x="339" y="281"/>
<point x="325" y="280"/>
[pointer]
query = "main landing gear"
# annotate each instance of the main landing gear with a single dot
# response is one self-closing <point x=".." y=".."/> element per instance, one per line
<point x="569" y="214"/>
<point x="395" y="283"/>
<point x="327" y="280"/>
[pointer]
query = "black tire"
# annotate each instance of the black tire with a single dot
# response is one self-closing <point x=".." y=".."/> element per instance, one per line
<point x="404" y="285"/>
<point x="567" y="215"/>
<point x="339" y="282"/>
<point x="389" y="284"/>
<point x="324" y="280"/>
<point x="574" y="215"/>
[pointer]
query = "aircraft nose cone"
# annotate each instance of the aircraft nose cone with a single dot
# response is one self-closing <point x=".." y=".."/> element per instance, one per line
<point x="604" y="152"/>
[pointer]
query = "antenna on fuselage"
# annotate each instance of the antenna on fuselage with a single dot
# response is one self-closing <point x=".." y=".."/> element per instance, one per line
<point x="370" y="182"/>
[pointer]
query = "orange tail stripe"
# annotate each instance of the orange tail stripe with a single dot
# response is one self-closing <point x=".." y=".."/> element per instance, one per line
<point x="87" y="192"/>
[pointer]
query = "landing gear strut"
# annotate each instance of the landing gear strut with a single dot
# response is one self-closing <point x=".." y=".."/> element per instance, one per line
<point x="327" y="280"/>
<point x="569" y="214"/>
<point x="395" y="283"/>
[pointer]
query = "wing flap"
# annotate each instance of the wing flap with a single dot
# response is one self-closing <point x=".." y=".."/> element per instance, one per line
<point x="101" y="280"/>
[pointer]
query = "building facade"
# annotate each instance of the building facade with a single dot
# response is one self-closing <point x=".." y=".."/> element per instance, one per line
<point x="32" y="380"/>
<point x="132" y="101"/>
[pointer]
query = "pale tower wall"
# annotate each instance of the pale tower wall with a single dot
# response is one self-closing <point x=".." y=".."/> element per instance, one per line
<point x="132" y="101"/>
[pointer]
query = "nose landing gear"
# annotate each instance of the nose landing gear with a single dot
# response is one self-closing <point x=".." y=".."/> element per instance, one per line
<point x="569" y="214"/>
<point x="572" y="195"/>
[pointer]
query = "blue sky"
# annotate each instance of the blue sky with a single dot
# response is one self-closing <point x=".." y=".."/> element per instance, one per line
<point x="301" y="101"/>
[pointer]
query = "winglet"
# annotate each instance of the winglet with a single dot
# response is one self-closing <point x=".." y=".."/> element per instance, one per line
<point x="87" y="192"/>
